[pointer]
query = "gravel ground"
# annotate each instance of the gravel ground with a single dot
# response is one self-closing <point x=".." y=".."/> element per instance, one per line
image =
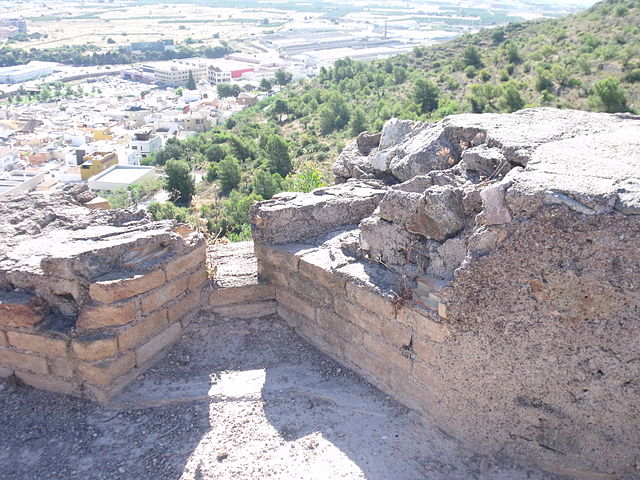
<point x="235" y="399"/>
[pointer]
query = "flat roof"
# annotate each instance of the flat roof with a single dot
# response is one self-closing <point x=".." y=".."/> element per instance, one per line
<point x="29" y="67"/>
<point x="124" y="174"/>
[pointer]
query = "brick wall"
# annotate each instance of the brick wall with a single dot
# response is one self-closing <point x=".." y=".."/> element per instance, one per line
<point x="129" y="320"/>
<point x="394" y="345"/>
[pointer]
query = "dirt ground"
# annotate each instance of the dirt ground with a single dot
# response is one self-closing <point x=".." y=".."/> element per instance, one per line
<point x="235" y="399"/>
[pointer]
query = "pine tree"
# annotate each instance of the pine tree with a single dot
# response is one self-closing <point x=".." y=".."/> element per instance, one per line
<point x="180" y="183"/>
<point x="191" y="83"/>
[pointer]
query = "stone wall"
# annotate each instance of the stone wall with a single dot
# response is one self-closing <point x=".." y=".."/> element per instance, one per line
<point x="86" y="315"/>
<point x="354" y="317"/>
<point x="494" y="287"/>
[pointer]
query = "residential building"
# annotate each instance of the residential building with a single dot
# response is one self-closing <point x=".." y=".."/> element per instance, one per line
<point x="8" y="158"/>
<point x="96" y="163"/>
<point x="143" y="144"/>
<point x="217" y="75"/>
<point x="247" y="99"/>
<point x="135" y="116"/>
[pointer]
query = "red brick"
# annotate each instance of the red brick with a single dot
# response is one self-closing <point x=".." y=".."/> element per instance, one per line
<point x="134" y="335"/>
<point x="147" y="350"/>
<point x="113" y="288"/>
<point x="114" y="315"/>
<point x="38" y="343"/>
<point x="248" y="293"/>
<point x="295" y="303"/>
<point x="374" y="302"/>
<point x="47" y="382"/>
<point x="163" y="295"/>
<point x="95" y="347"/>
<point x="20" y="309"/>
<point x="103" y="373"/>
<point x="181" y="264"/>
<point x="23" y="361"/>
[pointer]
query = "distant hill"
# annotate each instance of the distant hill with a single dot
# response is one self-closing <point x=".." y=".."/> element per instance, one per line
<point x="588" y="61"/>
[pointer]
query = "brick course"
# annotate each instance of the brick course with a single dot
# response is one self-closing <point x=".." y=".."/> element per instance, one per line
<point x="111" y="291"/>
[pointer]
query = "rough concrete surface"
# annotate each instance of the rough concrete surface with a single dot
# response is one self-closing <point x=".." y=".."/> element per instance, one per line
<point x="234" y="399"/>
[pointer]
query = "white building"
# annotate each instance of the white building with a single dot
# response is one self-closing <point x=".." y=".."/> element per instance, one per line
<point x="19" y="181"/>
<point x="8" y="159"/>
<point x="120" y="176"/>
<point x="175" y="73"/>
<point x="143" y="144"/>
<point x="217" y="75"/>
<point x="23" y="73"/>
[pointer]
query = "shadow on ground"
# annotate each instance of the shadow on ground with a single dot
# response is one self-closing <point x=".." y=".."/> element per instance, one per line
<point x="235" y="399"/>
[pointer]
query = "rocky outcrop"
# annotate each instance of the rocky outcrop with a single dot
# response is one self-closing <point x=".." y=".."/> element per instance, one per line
<point x="513" y="317"/>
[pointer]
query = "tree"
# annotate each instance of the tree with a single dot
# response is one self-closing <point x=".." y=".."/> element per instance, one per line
<point x="306" y="178"/>
<point x="399" y="75"/>
<point x="425" y="94"/>
<point x="277" y="152"/>
<point x="191" y="83"/>
<point x="172" y="150"/>
<point x="334" y="114"/>
<point x="266" y="84"/>
<point x="266" y="185"/>
<point x="358" y="122"/>
<point x="215" y="153"/>
<point x="497" y="35"/>
<point x="228" y="90"/>
<point x="229" y="173"/>
<point x="180" y="183"/>
<point x="512" y="52"/>
<point x="511" y="99"/>
<point x="543" y="80"/>
<point x="283" y="77"/>
<point x="280" y="107"/>
<point x="609" y="96"/>
<point x="235" y="210"/>
<point x="471" y="56"/>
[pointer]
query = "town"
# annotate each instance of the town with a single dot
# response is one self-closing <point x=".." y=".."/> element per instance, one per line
<point x="97" y="122"/>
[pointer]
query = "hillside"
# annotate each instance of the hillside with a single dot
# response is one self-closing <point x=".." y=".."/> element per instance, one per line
<point x="588" y="61"/>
